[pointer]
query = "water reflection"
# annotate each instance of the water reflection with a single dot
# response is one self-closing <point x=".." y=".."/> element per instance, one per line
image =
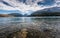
<point x="20" y="19"/>
<point x="26" y="19"/>
<point x="39" y="21"/>
<point x="13" y="24"/>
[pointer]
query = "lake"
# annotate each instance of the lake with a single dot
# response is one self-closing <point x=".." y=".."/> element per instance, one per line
<point x="12" y="24"/>
<point x="53" y="22"/>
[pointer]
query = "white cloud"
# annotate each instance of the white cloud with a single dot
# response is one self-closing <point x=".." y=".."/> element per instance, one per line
<point x="23" y="7"/>
<point x="5" y="7"/>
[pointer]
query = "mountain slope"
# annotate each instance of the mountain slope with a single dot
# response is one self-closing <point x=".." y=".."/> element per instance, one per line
<point x="15" y="14"/>
<point x="55" y="11"/>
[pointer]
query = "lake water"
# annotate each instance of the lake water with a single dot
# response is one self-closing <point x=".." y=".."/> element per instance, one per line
<point x="11" y="24"/>
<point x="27" y="22"/>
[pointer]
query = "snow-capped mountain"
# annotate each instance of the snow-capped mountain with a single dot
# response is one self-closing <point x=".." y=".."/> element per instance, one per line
<point x="54" y="11"/>
<point x="25" y="5"/>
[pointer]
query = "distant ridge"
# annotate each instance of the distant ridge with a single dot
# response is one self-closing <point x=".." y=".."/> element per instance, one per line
<point x="16" y="14"/>
<point x="55" y="11"/>
<point x="11" y="15"/>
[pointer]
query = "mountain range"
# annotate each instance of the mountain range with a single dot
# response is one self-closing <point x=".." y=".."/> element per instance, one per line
<point x="55" y="11"/>
<point x="11" y="15"/>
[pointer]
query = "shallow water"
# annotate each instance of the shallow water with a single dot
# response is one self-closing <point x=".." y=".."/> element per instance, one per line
<point x="43" y="22"/>
<point x="7" y="20"/>
<point x="12" y="24"/>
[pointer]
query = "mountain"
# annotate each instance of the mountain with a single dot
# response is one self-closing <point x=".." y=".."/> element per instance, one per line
<point x="11" y="15"/>
<point x="16" y="14"/>
<point x="54" y="11"/>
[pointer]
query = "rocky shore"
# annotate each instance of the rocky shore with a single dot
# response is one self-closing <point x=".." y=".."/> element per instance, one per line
<point x="31" y="33"/>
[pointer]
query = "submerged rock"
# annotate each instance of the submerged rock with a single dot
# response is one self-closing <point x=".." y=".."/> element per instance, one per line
<point x="33" y="33"/>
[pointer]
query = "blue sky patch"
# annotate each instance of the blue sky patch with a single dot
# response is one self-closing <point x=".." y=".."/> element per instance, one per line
<point x="46" y="2"/>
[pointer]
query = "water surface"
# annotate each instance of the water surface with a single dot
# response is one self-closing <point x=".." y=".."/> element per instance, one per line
<point x="24" y="22"/>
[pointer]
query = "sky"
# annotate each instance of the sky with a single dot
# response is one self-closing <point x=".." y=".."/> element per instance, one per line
<point x="26" y="6"/>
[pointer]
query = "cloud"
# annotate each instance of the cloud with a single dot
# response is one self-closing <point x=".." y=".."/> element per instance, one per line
<point x="5" y="7"/>
<point x="27" y="5"/>
<point x="23" y="7"/>
<point x="46" y="2"/>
